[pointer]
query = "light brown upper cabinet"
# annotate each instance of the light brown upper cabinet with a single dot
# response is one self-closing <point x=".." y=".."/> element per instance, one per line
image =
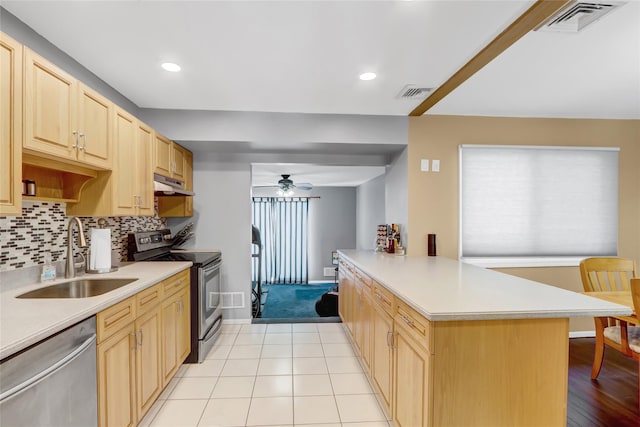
<point x="64" y="118"/>
<point x="128" y="188"/>
<point x="179" y="154"/>
<point x="163" y="151"/>
<point x="170" y="159"/>
<point x="10" y="126"/>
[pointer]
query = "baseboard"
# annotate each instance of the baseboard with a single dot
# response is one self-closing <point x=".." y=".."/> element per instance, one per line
<point x="582" y="334"/>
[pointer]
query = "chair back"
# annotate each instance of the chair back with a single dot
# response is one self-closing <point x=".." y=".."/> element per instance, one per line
<point x="607" y="274"/>
<point x="635" y="294"/>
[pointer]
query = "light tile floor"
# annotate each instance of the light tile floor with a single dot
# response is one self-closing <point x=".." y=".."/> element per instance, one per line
<point x="303" y="374"/>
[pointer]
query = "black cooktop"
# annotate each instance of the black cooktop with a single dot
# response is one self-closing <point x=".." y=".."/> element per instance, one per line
<point x="197" y="258"/>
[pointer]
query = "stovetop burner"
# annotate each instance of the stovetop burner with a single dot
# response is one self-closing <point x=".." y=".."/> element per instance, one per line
<point x="156" y="246"/>
<point x="197" y="258"/>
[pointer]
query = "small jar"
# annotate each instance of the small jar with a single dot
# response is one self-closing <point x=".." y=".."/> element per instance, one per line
<point x="31" y="188"/>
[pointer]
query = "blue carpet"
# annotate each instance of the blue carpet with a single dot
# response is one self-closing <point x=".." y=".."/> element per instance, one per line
<point x="293" y="301"/>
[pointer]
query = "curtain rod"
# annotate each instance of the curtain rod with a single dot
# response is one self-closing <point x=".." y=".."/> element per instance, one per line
<point x="285" y="198"/>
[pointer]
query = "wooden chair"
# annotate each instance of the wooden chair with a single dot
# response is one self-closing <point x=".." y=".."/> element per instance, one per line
<point x="634" y="341"/>
<point x="603" y="275"/>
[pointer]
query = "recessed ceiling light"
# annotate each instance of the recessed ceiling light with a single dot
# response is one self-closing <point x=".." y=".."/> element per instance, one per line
<point x="367" y="76"/>
<point x="170" y="66"/>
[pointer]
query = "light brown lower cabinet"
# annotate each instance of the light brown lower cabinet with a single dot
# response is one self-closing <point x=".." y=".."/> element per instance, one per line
<point x="133" y="350"/>
<point x="382" y="354"/>
<point x="502" y="372"/>
<point x="411" y="367"/>
<point x="175" y="332"/>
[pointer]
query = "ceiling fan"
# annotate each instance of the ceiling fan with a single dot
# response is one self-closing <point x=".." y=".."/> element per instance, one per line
<point x="286" y="186"/>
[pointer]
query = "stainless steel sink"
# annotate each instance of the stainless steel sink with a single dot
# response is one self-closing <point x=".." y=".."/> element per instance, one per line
<point x="79" y="288"/>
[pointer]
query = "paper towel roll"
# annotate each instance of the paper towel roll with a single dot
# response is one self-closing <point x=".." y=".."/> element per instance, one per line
<point x="100" y="258"/>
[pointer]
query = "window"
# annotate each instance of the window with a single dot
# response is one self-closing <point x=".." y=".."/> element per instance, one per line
<point x="283" y="225"/>
<point x="537" y="206"/>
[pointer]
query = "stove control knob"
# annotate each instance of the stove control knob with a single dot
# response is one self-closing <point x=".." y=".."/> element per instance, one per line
<point x="167" y="237"/>
<point x="144" y="240"/>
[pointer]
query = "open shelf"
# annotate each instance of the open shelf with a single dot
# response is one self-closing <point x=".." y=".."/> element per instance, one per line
<point x="55" y="181"/>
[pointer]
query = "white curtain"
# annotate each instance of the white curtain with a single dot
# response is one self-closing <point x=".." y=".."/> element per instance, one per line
<point x="283" y="225"/>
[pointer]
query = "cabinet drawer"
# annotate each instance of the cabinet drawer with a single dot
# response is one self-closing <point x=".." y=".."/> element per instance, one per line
<point x="148" y="298"/>
<point x="174" y="283"/>
<point x="382" y="297"/>
<point x="363" y="279"/>
<point x="115" y="317"/>
<point x="415" y="324"/>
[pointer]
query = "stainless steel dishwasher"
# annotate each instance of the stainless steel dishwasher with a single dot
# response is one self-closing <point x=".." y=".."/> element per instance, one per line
<point x="52" y="383"/>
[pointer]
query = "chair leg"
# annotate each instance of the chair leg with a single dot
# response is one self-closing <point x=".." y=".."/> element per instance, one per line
<point x="598" y="356"/>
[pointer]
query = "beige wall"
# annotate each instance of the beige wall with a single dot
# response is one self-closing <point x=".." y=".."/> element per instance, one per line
<point x="433" y="197"/>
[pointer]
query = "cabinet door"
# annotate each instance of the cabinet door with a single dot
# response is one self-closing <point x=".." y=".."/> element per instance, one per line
<point x="148" y="360"/>
<point x="162" y="156"/>
<point x="124" y="168"/>
<point x="382" y="358"/>
<point x="183" y="340"/>
<point x="366" y="319"/>
<point x="94" y="128"/>
<point x="10" y="126"/>
<point x="116" y="379"/>
<point x="144" y="172"/>
<point x="49" y="108"/>
<point x="178" y="162"/>
<point x="412" y="364"/>
<point x="169" y="338"/>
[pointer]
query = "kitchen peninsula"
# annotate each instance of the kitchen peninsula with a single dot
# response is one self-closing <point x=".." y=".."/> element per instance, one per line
<point x="448" y="344"/>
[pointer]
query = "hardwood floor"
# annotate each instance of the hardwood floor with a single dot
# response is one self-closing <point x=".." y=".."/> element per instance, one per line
<point x="612" y="399"/>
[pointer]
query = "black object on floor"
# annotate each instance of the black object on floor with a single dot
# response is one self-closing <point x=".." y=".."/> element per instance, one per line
<point x="327" y="305"/>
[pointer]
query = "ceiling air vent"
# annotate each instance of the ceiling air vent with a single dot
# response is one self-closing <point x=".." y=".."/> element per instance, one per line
<point x="414" y="92"/>
<point x="578" y="15"/>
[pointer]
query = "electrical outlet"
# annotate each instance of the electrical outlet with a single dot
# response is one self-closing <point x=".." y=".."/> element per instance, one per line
<point x="435" y="165"/>
<point x="424" y="165"/>
<point x="329" y="271"/>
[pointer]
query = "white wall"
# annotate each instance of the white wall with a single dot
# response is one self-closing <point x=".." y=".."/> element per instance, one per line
<point x="332" y="225"/>
<point x="222" y="218"/>
<point x="370" y="211"/>
<point x="397" y="196"/>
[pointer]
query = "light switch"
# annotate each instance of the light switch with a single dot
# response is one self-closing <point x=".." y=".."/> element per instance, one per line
<point x="435" y="165"/>
<point x="424" y="165"/>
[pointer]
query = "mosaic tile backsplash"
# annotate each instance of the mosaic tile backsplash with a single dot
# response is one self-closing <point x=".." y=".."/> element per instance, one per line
<point x="42" y="228"/>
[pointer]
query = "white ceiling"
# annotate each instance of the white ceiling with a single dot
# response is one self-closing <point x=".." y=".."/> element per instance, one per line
<point x="305" y="56"/>
<point x="268" y="174"/>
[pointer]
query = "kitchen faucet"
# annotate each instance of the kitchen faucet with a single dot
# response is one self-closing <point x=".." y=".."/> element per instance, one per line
<point x="70" y="270"/>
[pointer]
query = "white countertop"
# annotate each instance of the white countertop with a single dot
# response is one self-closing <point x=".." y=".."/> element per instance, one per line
<point x="26" y="321"/>
<point x="445" y="289"/>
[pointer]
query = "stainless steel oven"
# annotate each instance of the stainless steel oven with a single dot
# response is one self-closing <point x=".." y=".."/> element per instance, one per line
<point x="210" y="312"/>
<point x="206" y="310"/>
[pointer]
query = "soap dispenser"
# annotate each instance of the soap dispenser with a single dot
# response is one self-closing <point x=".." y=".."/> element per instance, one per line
<point x="48" y="269"/>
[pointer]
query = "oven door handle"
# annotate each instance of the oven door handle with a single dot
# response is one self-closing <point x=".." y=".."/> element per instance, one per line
<point x="215" y="327"/>
<point x="214" y="266"/>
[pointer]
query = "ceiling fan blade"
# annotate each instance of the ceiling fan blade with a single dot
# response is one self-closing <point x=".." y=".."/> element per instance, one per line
<point x="304" y="186"/>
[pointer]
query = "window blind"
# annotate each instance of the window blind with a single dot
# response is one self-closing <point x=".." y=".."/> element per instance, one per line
<point x="534" y="201"/>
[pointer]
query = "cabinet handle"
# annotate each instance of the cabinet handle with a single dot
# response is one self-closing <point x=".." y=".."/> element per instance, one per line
<point x="379" y="295"/>
<point x="84" y="142"/>
<point x="76" y="143"/>
<point x="390" y="339"/>
<point x="407" y="320"/>
<point x="141" y="337"/>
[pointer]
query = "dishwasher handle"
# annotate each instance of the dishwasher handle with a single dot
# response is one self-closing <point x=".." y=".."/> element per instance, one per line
<point x="50" y="370"/>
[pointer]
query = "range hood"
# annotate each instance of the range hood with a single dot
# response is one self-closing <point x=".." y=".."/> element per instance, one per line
<point x="163" y="186"/>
